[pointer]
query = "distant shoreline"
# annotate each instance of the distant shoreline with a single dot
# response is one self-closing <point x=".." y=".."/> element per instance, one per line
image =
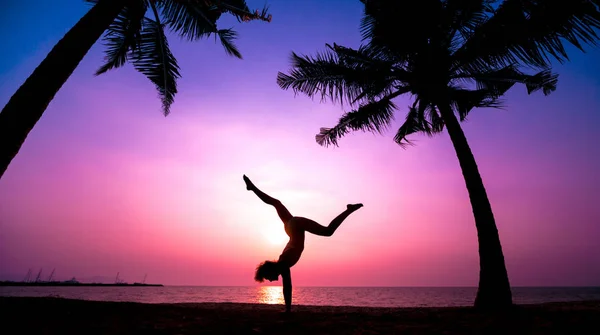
<point x="9" y="283"/>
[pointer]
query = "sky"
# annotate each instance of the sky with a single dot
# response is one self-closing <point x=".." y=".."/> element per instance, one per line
<point x="105" y="184"/>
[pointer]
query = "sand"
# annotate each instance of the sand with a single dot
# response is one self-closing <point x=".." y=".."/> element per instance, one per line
<point x="65" y="316"/>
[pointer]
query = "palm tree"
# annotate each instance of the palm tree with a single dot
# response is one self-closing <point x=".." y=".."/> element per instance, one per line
<point x="451" y="56"/>
<point x="130" y="36"/>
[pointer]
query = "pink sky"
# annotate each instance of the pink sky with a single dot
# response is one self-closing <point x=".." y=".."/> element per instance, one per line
<point x="105" y="184"/>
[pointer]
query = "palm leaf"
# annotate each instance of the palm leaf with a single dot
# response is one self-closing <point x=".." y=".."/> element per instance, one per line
<point x="322" y="74"/>
<point x="463" y="100"/>
<point x="191" y="20"/>
<point x="544" y="80"/>
<point x="364" y="56"/>
<point x="501" y="80"/>
<point x="422" y="117"/>
<point x="530" y="31"/>
<point x="493" y="84"/>
<point x="198" y="20"/>
<point x="399" y="28"/>
<point x="240" y="10"/>
<point x="376" y="76"/>
<point x="463" y="16"/>
<point x="328" y="76"/>
<point x="227" y="36"/>
<point x="123" y="35"/>
<point x="154" y="59"/>
<point x="374" y="117"/>
<point x="411" y="125"/>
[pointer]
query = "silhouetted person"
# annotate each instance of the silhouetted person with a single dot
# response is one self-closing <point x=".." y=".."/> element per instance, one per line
<point x="295" y="226"/>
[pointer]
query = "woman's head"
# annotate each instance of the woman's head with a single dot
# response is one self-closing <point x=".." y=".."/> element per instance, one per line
<point x="268" y="270"/>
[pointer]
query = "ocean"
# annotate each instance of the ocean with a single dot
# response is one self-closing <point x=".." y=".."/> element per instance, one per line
<point x="321" y="296"/>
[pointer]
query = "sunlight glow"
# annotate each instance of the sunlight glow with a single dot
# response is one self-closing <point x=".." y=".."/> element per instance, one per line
<point x="276" y="236"/>
<point x="271" y="295"/>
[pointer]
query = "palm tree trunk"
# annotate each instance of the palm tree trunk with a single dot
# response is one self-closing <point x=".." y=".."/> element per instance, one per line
<point x="494" y="287"/>
<point x="27" y="105"/>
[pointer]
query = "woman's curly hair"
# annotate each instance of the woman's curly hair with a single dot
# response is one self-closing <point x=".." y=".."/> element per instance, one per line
<point x="265" y="268"/>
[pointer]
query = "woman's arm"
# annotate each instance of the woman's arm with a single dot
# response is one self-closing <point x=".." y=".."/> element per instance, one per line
<point x="286" y="277"/>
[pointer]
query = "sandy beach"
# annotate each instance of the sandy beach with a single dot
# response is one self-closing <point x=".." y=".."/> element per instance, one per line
<point x="64" y="316"/>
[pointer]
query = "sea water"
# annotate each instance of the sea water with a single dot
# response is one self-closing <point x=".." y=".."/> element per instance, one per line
<point x="328" y="296"/>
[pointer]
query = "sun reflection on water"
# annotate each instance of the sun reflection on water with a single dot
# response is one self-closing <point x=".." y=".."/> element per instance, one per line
<point x="271" y="295"/>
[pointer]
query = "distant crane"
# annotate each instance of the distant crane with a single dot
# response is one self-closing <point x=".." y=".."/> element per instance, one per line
<point x="117" y="280"/>
<point x="37" y="279"/>
<point x="28" y="276"/>
<point x="51" y="275"/>
<point x="144" y="281"/>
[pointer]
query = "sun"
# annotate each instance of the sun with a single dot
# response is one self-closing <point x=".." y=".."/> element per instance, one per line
<point x="276" y="236"/>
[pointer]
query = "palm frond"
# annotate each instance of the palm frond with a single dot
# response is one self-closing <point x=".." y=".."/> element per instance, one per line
<point x="368" y="96"/>
<point x="330" y="136"/>
<point x="154" y="59"/>
<point x="492" y="85"/>
<point x="501" y="80"/>
<point x="467" y="14"/>
<point x="463" y="100"/>
<point x="191" y="20"/>
<point x="400" y="28"/>
<point x="322" y="74"/>
<point x="195" y="20"/>
<point x="574" y="21"/>
<point x="380" y="75"/>
<point x="240" y="10"/>
<point x="411" y="125"/>
<point x="227" y="37"/>
<point x="364" y="56"/>
<point x="544" y="80"/>
<point x="374" y="117"/>
<point x="464" y="16"/>
<point x="331" y="78"/>
<point x="384" y="19"/>
<point x="530" y="32"/>
<point x="422" y="117"/>
<point x="436" y="122"/>
<point x="123" y="35"/>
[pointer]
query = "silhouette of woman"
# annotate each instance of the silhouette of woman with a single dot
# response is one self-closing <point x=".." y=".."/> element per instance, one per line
<point x="295" y="226"/>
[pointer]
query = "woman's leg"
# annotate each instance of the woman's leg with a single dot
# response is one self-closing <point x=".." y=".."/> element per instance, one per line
<point x="317" y="229"/>
<point x="283" y="212"/>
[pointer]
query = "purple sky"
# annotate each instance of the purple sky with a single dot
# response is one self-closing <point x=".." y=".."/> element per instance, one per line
<point x="104" y="183"/>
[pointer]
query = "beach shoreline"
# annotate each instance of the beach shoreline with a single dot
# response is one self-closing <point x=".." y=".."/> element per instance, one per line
<point x="49" y="315"/>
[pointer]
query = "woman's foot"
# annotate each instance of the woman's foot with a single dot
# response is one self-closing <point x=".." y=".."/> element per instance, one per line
<point x="353" y="207"/>
<point x="249" y="185"/>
